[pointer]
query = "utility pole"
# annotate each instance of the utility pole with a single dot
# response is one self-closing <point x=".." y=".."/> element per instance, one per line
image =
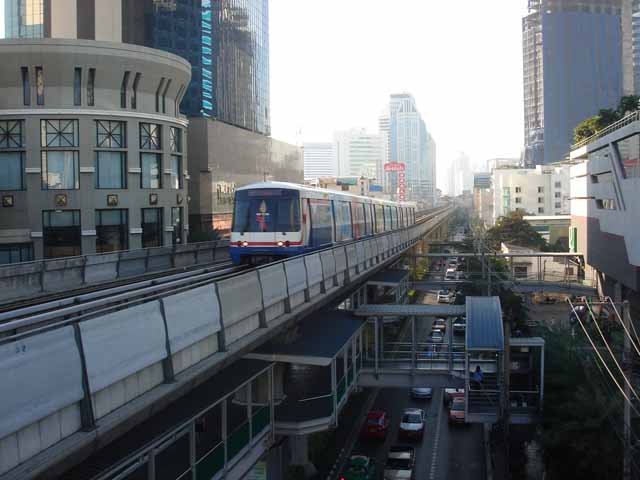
<point x="627" y="368"/>
<point x="506" y="401"/>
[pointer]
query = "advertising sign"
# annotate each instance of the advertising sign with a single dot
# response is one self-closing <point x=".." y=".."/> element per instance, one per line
<point x="347" y="181"/>
<point x="394" y="167"/>
<point x="375" y="188"/>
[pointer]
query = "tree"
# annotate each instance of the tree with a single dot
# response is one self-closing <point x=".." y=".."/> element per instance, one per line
<point x="628" y="103"/>
<point x="605" y="117"/>
<point x="513" y="228"/>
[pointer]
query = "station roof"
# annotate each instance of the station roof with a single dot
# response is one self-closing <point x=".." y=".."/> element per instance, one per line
<point x="484" y="324"/>
<point x="319" y="338"/>
<point x="404" y="310"/>
<point x="389" y="278"/>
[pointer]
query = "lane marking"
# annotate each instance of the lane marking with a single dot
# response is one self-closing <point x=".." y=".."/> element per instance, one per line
<point x="436" y="441"/>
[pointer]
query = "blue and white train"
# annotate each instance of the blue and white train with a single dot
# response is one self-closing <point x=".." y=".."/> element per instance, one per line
<point x="274" y="220"/>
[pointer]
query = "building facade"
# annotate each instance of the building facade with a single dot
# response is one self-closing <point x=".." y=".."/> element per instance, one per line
<point x="93" y="153"/>
<point x="572" y="54"/>
<point x="409" y="142"/>
<point x="223" y="157"/>
<point x="460" y="175"/>
<point x="631" y="46"/>
<point x="319" y="160"/>
<point x="226" y="42"/>
<point x="358" y="153"/>
<point x="544" y="190"/>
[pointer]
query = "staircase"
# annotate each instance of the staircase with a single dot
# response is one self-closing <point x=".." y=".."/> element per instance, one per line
<point x="484" y="400"/>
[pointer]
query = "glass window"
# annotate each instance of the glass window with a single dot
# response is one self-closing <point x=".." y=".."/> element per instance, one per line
<point x="11" y="134"/>
<point x="158" y="92"/>
<point x="379" y="218"/>
<point x="558" y="194"/>
<point x="15" y="253"/>
<point x="111" y="170"/>
<point x="123" y="89"/>
<point x="518" y="200"/>
<point x="558" y="184"/>
<point x="176" y="172"/>
<point x="60" y="170"/>
<point x="39" y="86"/>
<point x="111" y="230"/>
<point x="151" y="227"/>
<point x="175" y="139"/>
<point x="176" y="222"/>
<point x="91" y="81"/>
<point x="540" y="199"/>
<point x="11" y="170"/>
<point x="26" y="88"/>
<point x="558" y="205"/>
<point x="540" y="189"/>
<point x="134" y="92"/>
<point x="629" y="153"/>
<point x="110" y="134"/>
<point x="151" y="170"/>
<point x="267" y="210"/>
<point x="77" y="86"/>
<point x="59" y="133"/>
<point x="606" y="204"/>
<point x="540" y="210"/>
<point x="61" y="233"/>
<point x="518" y="189"/>
<point x="164" y="96"/>
<point x="150" y="136"/>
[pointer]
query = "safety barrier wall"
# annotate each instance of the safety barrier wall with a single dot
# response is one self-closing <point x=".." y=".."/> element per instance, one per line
<point x="29" y="279"/>
<point x="116" y="356"/>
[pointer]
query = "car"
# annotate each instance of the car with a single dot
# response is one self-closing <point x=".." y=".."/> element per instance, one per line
<point x="360" y="467"/>
<point x="459" y="325"/>
<point x="412" y="423"/>
<point x="400" y="462"/>
<point x="452" y="393"/>
<point x="376" y="425"/>
<point x="435" y="337"/>
<point x="422" y="393"/>
<point x="444" y="296"/>
<point x="456" y="411"/>
<point x="450" y="274"/>
<point x="440" y="323"/>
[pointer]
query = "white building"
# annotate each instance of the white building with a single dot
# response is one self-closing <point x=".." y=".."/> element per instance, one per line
<point x="460" y="175"/>
<point x="319" y="160"/>
<point x="544" y="190"/>
<point x="494" y="163"/>
<point x="359" y="153"/>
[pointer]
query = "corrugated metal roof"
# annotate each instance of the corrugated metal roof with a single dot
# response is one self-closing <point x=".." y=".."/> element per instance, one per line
<point x="484" y="324"/>
<point x="384" y="310"/>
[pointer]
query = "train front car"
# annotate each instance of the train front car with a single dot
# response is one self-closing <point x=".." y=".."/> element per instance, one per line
<point x="266" y="224"/>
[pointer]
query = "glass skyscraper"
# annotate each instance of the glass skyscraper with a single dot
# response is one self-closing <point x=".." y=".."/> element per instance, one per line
<point x="24" y="18"/>
<point x="227" y="43"/>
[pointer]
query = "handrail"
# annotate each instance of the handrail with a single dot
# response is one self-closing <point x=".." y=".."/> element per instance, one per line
<point x="632" y="117"/>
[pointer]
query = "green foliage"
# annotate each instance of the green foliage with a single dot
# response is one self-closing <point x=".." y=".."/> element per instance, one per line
<point x="513" y="228"/>
<point x="604" y="118"/>
<point x="577" y="436"/>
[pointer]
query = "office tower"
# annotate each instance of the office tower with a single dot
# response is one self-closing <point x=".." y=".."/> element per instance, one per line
<point x="319" y="160"/>
<point x="359" y="153"/>
<point x="631" y="46"/>
<point x="572" y="55"/>
<point x="410" y="143"/>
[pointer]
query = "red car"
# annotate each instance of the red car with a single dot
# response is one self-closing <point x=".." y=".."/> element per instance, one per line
<point x="376" y="425"/>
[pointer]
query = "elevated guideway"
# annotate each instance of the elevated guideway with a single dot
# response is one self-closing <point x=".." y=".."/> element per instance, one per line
<point x="91" y="372"/>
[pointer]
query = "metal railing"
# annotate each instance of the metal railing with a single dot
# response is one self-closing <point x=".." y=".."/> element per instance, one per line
<point x="632" y="117"/>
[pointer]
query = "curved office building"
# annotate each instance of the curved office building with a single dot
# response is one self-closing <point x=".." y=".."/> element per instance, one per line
<point x="92" y="148"/>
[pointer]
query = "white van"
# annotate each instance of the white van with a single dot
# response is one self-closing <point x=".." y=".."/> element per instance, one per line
<point x="450" y="274"/>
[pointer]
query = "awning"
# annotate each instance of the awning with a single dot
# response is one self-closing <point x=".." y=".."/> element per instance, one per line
<point x="484" y="324"/>
<point x="402" y="310"/>
<point x="318" y="340"/>
<point x="389" y="278"/>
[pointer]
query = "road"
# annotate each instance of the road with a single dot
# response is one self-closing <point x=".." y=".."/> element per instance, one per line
<point x="452" y="452"/>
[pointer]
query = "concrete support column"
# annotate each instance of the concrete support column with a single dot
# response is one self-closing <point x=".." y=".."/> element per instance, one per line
<point x="299" y="447"/>
<point x="413" y="344"/>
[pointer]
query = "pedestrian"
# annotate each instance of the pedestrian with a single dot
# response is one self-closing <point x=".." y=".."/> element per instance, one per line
<point x="477" y="376"/>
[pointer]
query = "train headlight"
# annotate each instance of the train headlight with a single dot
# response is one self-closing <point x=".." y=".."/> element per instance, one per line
<point x="245" y="244"/>
<point x="280" y="243"/>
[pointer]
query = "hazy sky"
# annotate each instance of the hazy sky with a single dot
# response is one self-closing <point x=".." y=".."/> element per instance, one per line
<point x="335" y="62"/>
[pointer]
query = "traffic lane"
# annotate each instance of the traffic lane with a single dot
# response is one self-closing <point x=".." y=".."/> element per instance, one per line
<point x="464" y="453"/>
<point x="394" y="401"/>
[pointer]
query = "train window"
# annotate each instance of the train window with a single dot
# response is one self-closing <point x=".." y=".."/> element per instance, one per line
<point x="367" y="218"/>
<point x="401" y="212"/>
<point x="267" y="210"/>
<point x="321" y="222"/>
<point x="357" y="211"/>
<point x="387" y="218"/>
<point x="342" y="212"/>
<point x="379" y="209"/>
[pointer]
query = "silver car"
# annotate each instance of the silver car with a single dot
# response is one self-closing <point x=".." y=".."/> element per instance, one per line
<point x="422" y="393"/>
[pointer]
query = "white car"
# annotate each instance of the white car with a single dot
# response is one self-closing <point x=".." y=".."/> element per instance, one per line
<point x="421" y="393"/>
<point x="450" y="274"/>
<point x="412" y="423"/>
<point x="444" y="296"/>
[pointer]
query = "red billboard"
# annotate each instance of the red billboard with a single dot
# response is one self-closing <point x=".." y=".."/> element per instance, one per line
<point x="394" y="167"/>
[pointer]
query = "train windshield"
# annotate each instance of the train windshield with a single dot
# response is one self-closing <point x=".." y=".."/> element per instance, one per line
<point x="267" y="210"/>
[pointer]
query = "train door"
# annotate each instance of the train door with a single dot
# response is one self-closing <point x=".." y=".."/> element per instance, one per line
<point x="322" y="224"/>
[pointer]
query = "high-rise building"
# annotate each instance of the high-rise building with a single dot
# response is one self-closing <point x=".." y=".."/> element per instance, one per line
<point x="319" y="160"/>
<point x="410" y="143"/>
<point x="572" y="53"/>
<point x="631" y="46"/>
<point x="460" y="175"/>
<point x="359" y="153"/>
<point x="226" y="42"/>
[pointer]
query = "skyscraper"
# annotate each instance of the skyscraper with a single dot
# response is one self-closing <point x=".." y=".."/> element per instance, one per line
<point x="631" y="46"/>
<point x="359" y="153"/>
<point x="226" y="42"/>
<point x="319" y="160"/>
<point x="572" y="53"/>
<point x="409" y="142"/>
